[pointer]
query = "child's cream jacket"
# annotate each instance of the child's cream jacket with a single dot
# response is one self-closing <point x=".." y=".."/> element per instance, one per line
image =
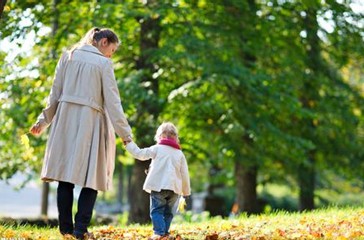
<point x="168" y="170"/>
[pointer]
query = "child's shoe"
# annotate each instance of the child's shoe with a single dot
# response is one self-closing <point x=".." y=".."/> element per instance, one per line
<point x="68" y="237"/>
<point x="155" y="237"/>
<point x="170" y="237"/>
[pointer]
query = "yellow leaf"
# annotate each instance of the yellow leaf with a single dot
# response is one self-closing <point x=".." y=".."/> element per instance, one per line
<point x="38" y="83"/>
<point x="181" y="204"/>
<point x="341" y="238"/>
<point x="25" y="235"/>
<point x="24" y="140"/>
<point x="9" y="233"/>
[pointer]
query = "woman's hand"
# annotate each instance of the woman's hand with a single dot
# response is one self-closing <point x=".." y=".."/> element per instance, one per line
<point x="36" y="129"/>
<point x="127" y="140"/>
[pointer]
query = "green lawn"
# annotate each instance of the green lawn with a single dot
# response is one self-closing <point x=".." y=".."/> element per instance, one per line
<point x="331" y="223"/>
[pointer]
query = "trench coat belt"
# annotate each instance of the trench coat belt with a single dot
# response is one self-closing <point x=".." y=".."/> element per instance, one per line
<point x="82" y="101"/>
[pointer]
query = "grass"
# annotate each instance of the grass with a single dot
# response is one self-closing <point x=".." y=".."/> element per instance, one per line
<point x="330" y="223"/>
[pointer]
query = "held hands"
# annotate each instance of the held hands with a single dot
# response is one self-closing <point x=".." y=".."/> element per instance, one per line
<point x="127" y="140"/>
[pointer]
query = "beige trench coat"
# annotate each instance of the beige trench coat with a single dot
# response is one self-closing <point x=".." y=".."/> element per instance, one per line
<point x="85" y="111"/>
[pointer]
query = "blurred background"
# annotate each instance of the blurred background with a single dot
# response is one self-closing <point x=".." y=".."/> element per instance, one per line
<point x="267" y="96"/>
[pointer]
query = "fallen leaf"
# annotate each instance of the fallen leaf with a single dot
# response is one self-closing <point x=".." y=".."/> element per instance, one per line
<point x="213" y="236"/>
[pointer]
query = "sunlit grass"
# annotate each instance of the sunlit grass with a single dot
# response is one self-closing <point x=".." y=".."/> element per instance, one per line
<point x="28" y="232"/>
<point x="330" y="223"/>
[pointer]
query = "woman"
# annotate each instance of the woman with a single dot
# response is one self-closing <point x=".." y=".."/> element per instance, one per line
<point x="85" y="111"/>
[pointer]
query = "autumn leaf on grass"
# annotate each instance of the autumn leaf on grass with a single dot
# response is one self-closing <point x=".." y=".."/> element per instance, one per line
<point x="316" y="234"/>
<point x="281" y="232"/>
<point x="8" y="234"/>
<point x="213" y="236"/>
<point x="25" y="235"/>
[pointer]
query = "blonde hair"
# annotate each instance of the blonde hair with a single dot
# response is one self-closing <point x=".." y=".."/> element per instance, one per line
<point x="94" y="35"/>
<point x="166" y="130"/>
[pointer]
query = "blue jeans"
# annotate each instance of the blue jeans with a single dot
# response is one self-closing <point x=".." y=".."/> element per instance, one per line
<point x="161" y="210"/>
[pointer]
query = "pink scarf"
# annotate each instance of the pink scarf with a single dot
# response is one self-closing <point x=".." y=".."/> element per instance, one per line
<point x="169" y="142"/>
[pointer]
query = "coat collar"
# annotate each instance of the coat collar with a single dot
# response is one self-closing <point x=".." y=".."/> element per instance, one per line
<point x="90" y="48"/>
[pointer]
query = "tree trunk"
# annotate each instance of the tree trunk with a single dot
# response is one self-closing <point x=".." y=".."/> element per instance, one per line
<point x="45" y="186"/>
<point x="44" y="201"/>
<point x="147" y="115"/>
<point x="2" y="6"/>
<point x="307" y="186"/>
<point x="138" y="199"/>
<point x="119" y="194"/>
<point x="306" y="174"/>
<point x="246" y="183"/>
<point x="246" y="173"/>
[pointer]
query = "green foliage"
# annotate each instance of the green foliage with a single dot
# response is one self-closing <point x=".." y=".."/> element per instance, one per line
<point x="237" y="79"/>
<point x="189" y="217"/>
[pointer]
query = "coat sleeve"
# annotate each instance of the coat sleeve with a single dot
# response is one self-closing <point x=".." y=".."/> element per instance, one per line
<point x="141" y="154"/>
<point x="186" y="188"/>
<point x="46" y="117"/>
<point x="112" y="102"/>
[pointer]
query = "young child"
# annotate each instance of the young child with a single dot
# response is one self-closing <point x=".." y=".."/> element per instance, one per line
<point x="167" y="177"/>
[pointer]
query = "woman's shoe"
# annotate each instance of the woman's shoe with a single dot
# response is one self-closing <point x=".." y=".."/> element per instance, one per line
<point x="85" y="236"/>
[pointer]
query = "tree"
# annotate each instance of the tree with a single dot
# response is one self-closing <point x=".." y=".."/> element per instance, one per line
<point x="26" y="79"/>
<point x="258" y="104"/>
<point x="2" y="6"/>
<point x="255" y="94"/>
<point x="147" y="110"/>
<point x="325" y="119"/>
<point x="323" y="88"/>
<point x="45" y="185"/>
